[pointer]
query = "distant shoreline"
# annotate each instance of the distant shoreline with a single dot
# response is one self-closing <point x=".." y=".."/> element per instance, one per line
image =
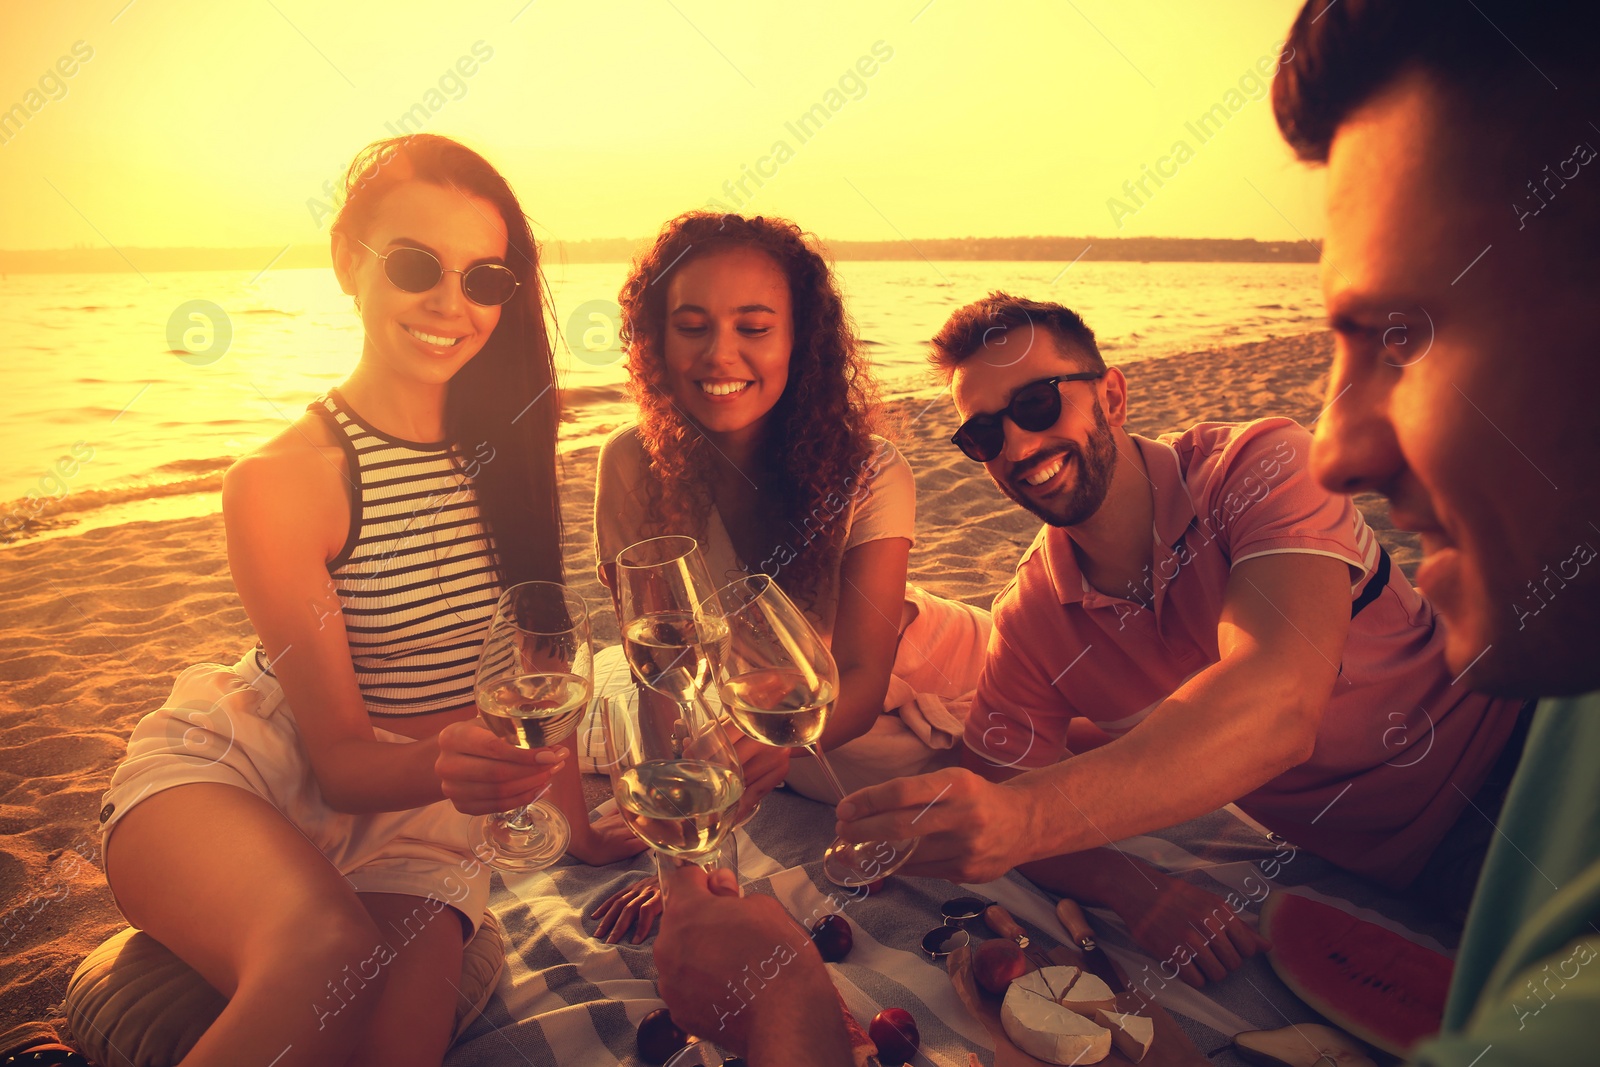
<point x="622" y="250"/>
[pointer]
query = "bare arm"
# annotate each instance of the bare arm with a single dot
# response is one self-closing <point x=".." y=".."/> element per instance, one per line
<point x="1228" y="730"/>
<point x="866" y="631"/>
<point x="286" y="515"/>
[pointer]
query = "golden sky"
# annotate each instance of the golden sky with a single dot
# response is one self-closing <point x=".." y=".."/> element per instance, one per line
<point x="216" y="124"/>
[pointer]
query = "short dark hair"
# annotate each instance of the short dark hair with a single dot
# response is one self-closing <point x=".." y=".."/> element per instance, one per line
<point x="1503" y="57"/>
<point x="966" y="330"/>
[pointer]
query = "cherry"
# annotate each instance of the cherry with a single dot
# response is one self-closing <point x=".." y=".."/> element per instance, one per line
<point x="833" y="937"/>
<point x="659" y="1037"/>
<point x="894" y="1031"/>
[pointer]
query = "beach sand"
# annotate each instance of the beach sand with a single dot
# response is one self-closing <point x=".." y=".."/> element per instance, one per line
<point x="98" y="625"/>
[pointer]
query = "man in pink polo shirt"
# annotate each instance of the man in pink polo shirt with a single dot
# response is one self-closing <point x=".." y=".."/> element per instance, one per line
<point x="1232" y="631"/>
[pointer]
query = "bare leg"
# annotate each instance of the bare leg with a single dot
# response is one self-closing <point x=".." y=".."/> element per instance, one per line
<point x="416" y="1014"/>
<point x="220" y="877"/>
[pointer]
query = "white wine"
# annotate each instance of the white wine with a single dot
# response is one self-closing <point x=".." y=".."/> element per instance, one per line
<point x="779" y="707"/>
<point x="674" y="652"/>
<point x="534" y="710"/>
<point x="683" y="807"/>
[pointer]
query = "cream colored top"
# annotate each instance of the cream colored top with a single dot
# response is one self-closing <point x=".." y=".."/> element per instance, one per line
<point x="876" y="502"/>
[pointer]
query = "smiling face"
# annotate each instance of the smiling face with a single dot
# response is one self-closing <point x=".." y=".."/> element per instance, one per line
<point x="729" y="332"/>
<point x="1061" y="473"/>
<point x="423" y="337"/>
<point x="1463" y="382"/>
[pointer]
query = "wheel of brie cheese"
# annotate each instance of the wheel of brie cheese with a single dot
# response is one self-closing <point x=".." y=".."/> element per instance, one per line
<point x="1039" y="1024"/>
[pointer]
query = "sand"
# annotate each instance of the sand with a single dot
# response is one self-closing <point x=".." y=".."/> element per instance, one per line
<point x="97" y="626"/>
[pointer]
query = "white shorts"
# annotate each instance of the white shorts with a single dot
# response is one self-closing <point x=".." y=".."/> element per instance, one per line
<point x="232" y="726"/>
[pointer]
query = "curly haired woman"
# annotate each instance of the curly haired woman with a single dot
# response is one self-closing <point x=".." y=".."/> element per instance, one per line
<point x="755" y="436"/>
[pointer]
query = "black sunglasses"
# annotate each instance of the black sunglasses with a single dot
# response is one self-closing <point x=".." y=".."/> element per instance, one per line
<point x="1034" y="407"/>
<point x="415" y="270"/>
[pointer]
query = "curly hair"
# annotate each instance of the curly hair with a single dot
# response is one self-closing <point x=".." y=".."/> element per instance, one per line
<point x="819" y="433"/>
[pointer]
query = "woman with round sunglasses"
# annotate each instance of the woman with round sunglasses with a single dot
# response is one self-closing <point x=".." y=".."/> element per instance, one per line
<point x="756" y="437"/>
<point x="284" y="825"/>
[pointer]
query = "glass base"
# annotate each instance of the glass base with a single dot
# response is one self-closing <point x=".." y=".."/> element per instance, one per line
<point x="852" y="866"/>
<point x="522" y="841"/>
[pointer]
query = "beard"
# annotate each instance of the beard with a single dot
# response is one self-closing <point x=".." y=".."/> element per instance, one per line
<point x="1095" y="466"/>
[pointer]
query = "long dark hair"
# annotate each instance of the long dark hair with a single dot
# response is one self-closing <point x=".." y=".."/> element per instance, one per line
<point x="506" y="395"/>
<point x="820" y="431"/>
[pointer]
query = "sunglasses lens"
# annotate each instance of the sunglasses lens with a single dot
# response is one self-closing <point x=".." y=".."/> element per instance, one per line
<point x="981" y="438"/>
<point x="1037" y="407"/>
<point x="489" y="284"/>
<point x="412" y="270"/>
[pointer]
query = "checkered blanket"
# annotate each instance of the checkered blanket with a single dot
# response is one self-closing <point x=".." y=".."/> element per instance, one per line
<point x="568" y="999"/>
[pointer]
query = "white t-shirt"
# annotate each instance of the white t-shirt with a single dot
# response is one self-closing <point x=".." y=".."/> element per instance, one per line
<point x="877" y="501"/>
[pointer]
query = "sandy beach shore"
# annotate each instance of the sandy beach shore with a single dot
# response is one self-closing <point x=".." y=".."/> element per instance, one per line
<point x="98" y="625"/>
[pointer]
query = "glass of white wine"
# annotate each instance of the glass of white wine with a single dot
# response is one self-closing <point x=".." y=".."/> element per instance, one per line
<point x="535" y="677"/>
<point x="672" y="625"/>
<point x="674" y="773"/>
<point x="778" y="683"/>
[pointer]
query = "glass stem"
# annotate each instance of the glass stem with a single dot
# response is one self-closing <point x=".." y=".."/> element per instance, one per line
<point x="833" y="779"/>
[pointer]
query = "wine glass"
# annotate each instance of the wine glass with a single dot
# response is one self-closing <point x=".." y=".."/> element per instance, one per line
<point x="672" y="625"/>
<point x="779" y="682"/>
<point x="535" y="676"/>
<point x="674" y="773"/>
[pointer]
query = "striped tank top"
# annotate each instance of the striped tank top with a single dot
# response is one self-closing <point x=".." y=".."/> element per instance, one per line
<point x="416" y="578"/>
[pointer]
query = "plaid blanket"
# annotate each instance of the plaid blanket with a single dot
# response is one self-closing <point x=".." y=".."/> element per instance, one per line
<point x="567" y="999"/>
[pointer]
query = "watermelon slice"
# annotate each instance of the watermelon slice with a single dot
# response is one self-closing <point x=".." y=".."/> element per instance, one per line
<point x="1386" y="990"/>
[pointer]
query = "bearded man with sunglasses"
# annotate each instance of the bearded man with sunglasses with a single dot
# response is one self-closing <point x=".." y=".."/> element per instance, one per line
<point x="1216" y="627"/>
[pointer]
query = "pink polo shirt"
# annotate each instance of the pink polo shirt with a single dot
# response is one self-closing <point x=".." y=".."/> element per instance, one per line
<point x="1400" y="748"/>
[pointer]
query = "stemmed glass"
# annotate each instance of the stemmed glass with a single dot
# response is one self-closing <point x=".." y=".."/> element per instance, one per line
<point x="672" y="625"/>
<point x="778" y="683"/>
<point x="674" y="773"/>
<point x="534" y="680"/>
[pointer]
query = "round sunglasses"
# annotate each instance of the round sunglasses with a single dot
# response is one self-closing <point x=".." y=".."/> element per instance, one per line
<point x="1034" y="407"/>
<point x="415" y="270"/>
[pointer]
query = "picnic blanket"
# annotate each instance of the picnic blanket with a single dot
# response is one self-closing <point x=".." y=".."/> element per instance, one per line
<point x="568" y="999"/>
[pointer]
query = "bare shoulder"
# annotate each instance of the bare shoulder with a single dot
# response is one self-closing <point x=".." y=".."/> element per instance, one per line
<point x="296" y="484"/>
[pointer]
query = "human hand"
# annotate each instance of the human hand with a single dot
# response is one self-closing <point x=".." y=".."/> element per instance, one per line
<point x="636" y="907"/>
<point x="711" y="937"/>
<point x="482" y="775"/>
<point x="972" y="830"/>
<point x="606" y="840"/>
<point x="764" y="767"/>
<point x="1188" y="929"/>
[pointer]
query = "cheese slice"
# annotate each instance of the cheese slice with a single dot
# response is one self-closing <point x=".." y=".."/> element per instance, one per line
<point x="1046" y="1029"/>
<point x="1132" y="1034"/>
<point x="1080" y="990"/>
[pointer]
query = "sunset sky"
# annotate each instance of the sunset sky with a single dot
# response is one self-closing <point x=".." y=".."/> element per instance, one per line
<point x="194" y="123"/>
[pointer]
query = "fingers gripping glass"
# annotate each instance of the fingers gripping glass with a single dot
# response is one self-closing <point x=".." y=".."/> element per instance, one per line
<point x="416" y="270"/>
<point x="1034" y="407"/>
